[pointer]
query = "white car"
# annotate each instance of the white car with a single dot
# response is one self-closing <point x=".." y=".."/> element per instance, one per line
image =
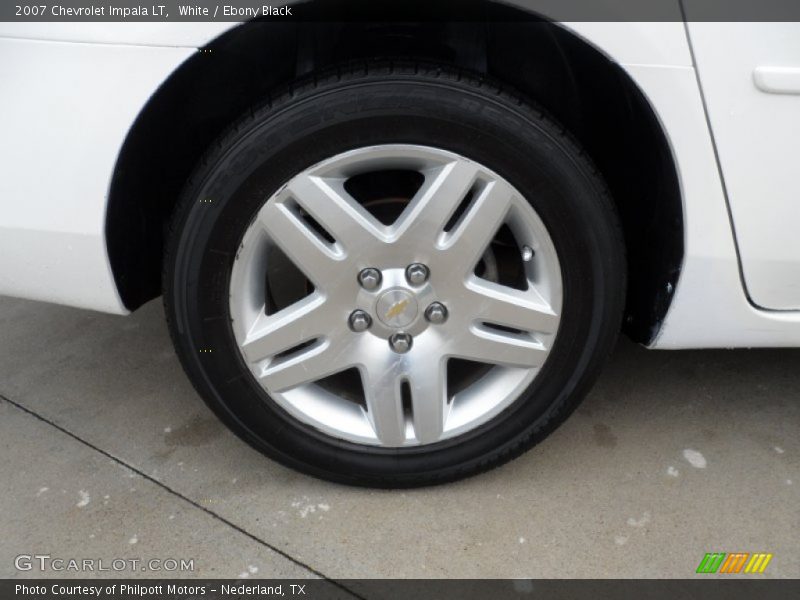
<point x="396" y="254"/>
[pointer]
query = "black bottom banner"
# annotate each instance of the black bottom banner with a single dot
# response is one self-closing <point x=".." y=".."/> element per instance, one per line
<point x="400" y="589"/>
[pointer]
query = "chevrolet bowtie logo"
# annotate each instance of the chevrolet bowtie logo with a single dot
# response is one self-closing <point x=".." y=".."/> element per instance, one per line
<point x="397" y="309"/>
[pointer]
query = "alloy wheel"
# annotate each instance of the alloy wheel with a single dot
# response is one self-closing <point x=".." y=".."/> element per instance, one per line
<point x="401" y="331"/>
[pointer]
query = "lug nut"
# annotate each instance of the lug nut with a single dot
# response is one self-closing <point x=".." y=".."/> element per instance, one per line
<point x="400" y="342"/>
<point x="436" y="313"/>
<point x="359" y="321"/>
<point x="417" y="274"/>
<point x="369" y="279"/>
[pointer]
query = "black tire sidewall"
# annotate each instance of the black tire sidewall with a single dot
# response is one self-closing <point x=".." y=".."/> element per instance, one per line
<point x="271" y="146"/>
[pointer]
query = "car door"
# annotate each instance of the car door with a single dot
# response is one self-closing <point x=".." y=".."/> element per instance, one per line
<point x="750" y="78"/>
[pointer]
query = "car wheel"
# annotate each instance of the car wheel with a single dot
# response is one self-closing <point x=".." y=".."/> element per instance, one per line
<point x="394" y="275"/>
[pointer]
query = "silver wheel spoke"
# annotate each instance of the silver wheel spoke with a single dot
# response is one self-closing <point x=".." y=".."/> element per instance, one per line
<point x="312" y="255"/>
<point x="500" y="348"/>
<point x="295" y="325"/>
<point x="383" y="396"/>
<point x="429" y="400"/>
<point x="345" y="219"/>
<point x="478" y="226"/>
<point x="307" y="366"/>
<point x="501" y="305"/>
<point x="427" y="214"/>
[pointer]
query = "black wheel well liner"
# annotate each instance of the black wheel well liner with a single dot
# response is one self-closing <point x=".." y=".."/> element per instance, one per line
<point x="588" y="93"/>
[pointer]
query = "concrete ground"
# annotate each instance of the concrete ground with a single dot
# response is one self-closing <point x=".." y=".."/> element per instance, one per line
<point x="109" y="453"/>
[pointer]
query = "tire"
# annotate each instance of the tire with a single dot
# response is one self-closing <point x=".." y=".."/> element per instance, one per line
<point x="414" y="108"/>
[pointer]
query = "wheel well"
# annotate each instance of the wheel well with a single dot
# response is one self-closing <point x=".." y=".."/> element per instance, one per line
<point x="589" y="94"/>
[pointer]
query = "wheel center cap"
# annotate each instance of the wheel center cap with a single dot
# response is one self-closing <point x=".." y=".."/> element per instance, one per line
<point x="397" y="308"/>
